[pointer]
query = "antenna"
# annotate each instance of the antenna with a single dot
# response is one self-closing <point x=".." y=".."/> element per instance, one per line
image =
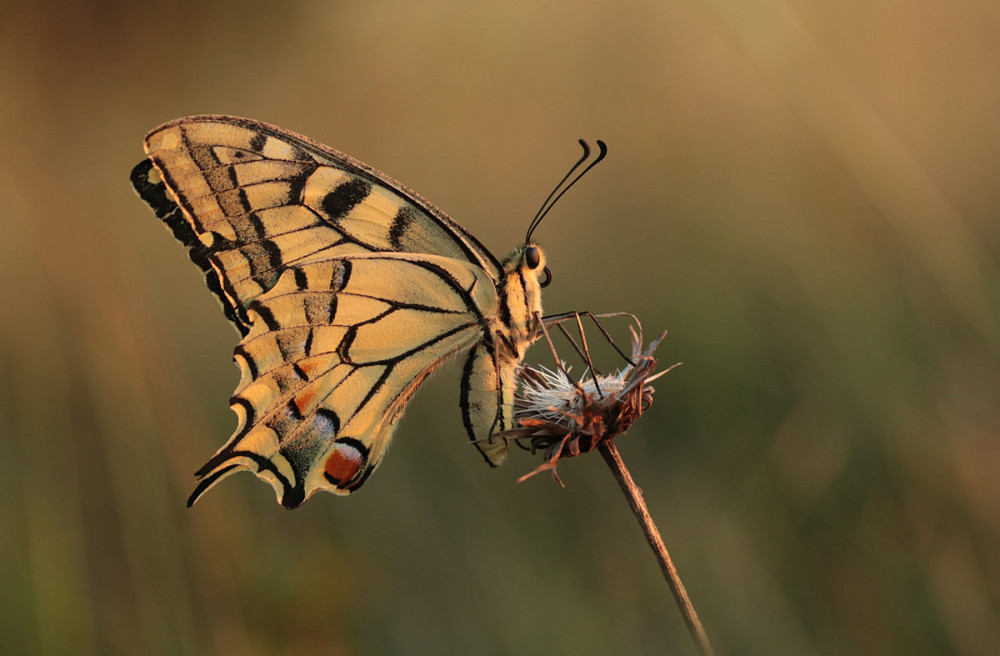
<point x="546" y="206"/>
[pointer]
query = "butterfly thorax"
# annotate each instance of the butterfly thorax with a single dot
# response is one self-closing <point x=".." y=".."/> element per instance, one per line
<point x="520" y="306"/>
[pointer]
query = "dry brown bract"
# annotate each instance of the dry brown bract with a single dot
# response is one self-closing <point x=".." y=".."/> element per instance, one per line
<point x="564" y="419"/>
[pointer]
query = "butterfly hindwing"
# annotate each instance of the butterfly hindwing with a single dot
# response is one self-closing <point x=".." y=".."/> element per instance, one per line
<point x="335" y="350"/>
<point x="347" y="288"/>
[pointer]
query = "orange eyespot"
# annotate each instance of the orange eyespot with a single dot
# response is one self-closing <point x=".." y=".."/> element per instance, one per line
<point x="343" y="464"/>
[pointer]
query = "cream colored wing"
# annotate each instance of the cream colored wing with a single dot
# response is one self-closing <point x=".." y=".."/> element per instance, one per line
<point x="251" y="200"/>
<point x="335" y="350"/>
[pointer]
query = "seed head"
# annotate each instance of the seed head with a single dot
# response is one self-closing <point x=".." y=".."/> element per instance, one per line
<point x="563" y="418"/>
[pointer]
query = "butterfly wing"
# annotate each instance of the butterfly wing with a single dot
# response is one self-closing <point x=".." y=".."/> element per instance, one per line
<point x="335" y="350"/>
<point x="347" y="287"/>
<point x="250" y="200"/>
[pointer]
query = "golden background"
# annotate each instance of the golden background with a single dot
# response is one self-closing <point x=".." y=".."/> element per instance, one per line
<point x="805" y="194"/>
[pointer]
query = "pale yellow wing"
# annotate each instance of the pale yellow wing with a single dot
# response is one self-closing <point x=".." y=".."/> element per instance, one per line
<point x="250" y="200"/>
<point x="335" y="350"/>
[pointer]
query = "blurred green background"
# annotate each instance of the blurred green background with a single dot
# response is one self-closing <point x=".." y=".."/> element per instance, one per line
<point x="806" y="195"/>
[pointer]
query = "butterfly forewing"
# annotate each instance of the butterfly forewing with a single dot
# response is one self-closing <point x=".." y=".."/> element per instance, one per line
<point x="348" y="289"/>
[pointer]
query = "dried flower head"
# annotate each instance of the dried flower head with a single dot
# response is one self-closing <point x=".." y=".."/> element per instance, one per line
<point x="563" y="418"/>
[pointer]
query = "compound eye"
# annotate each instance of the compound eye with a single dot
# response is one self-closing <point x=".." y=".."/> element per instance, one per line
<point x="544" y="282"/>
<point x="532" y="257"/>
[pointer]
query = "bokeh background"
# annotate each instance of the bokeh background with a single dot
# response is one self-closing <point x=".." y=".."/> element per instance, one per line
<point x="805" y="194"/>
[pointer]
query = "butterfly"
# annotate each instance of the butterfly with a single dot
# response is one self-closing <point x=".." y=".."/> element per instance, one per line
<point x="347" y="288"/>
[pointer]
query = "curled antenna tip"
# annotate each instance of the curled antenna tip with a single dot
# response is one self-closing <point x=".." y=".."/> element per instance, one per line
<point x="563" y="187"/>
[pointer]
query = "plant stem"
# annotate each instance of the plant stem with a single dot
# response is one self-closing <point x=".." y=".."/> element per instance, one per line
<point x="638" y="505"/>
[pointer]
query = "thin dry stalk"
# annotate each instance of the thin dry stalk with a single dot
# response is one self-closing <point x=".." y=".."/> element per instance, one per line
<point x="635" y="501"/>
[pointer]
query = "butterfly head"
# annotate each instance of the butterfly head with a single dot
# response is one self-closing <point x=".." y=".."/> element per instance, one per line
<point x="527" y="263"/>
<point x="533" y="263"/>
